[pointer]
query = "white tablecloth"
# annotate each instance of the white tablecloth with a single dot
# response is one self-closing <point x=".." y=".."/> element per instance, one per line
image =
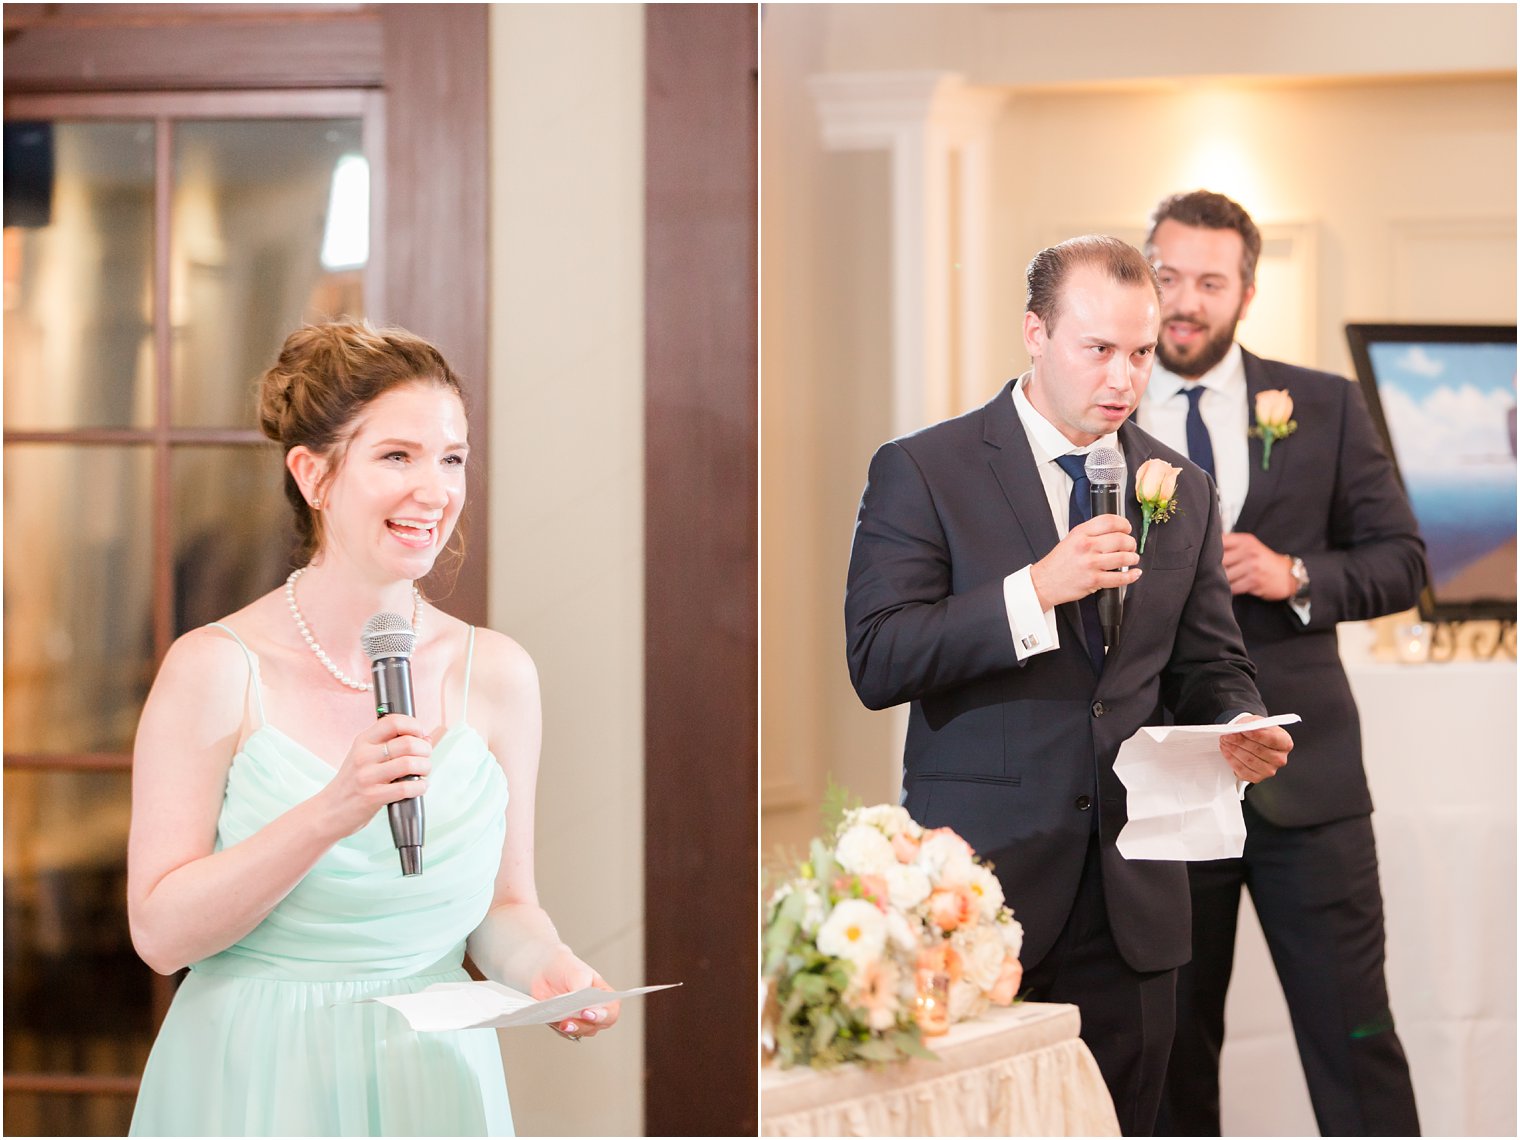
<point x="1439" y="746"/>
<point x="1012" y="1072"/>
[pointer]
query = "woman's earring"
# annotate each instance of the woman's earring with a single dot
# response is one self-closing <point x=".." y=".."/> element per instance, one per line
<point x="316" y="504"/>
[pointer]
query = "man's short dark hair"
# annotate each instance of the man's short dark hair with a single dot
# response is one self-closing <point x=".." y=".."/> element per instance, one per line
<point x="1211" y="211"/>
<point x="1048" y="270"/>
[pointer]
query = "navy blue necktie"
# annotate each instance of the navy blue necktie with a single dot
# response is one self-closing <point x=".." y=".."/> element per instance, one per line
<point x="1079" y="511"/>
<point x="1200" y="447"/>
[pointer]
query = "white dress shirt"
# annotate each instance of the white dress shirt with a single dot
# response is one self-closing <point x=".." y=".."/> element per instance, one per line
<point x="1225" y="408"/>
<point x="1034" y="629"/>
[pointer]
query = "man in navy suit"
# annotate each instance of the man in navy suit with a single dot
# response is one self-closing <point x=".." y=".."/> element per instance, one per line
<point x="1319" y="531"/>
<point x="970" y="595"/>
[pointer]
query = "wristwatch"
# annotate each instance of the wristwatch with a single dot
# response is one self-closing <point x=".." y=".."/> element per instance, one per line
<point x="1301" y="576"/>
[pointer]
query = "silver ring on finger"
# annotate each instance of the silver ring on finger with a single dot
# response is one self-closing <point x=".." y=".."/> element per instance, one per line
<point x="385" y="746"/>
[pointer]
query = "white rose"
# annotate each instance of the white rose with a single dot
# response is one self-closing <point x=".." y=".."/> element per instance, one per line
<point x="946" y="859"/>
<point x="988" y="892"/>
<point x="983" y="955"/>
<point x="1013" y="936"/>
<point x="889" y="819"/>
<point x="966" y="1001"/>
<point x="855" y="931"/>
<point x="903" y="932"/>
<point x="907" y="885"/>
<point x="863" y="850"/>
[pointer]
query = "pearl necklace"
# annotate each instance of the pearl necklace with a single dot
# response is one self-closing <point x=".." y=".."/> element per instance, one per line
<point x="295" y="612"/>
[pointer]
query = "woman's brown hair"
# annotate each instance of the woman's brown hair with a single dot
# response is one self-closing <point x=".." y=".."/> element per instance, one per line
<point x="325" y="376"/>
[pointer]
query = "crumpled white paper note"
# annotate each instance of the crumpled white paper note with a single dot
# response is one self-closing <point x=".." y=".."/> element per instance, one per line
<point x="1184" y="799"/>
<point x="490" y="1005"/>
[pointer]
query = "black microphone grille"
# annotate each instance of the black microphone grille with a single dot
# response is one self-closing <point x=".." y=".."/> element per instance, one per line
<point x="1104" y="465"/>
<point x="387" y="635"/>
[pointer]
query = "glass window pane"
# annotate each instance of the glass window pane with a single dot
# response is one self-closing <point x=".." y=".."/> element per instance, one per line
<point x="269" y="228"/>
<point x="77" y="997"/>
<point x="78" y="624"/>
<point x="233" y="530"/>
<point x="79" y="275"/>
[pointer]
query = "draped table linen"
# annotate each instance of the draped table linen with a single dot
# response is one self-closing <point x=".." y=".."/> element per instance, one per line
<point x="1011" y="1072"/>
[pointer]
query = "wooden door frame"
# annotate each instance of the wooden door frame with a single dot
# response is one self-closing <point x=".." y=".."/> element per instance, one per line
<point x="701" y="568"/>
<point x="429" y="61"/>
<point x="429" y="65"/>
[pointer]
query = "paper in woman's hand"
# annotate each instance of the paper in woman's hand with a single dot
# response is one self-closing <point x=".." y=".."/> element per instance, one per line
<point x="490" y="1005"/>
<point x="1183" y="798"/>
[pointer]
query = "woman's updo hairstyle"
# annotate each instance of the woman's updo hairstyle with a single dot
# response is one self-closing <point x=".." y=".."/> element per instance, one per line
<point x="324" y="378"/>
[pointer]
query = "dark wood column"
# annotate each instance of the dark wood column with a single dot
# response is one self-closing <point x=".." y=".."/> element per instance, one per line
<point x="701" y="587"/>
<point x="437" y="84"/>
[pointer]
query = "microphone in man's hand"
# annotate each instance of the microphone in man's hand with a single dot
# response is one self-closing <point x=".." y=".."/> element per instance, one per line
<point x="1105" y="470"/>
<point x="388" y="642"/>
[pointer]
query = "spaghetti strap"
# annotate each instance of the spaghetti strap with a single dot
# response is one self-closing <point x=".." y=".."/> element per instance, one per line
<point x="253" y="669"/>
<point x="469" y="665"/>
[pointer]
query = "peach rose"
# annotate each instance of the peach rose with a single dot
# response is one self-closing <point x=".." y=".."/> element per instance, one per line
<point x="1274" y="407"/>
<point x="941" y="958"/>
<point x="1006" y="988"/>
<point x="951" y="907"/>
<point x="905" y="847"/>
<point x="1156" y="492"/>
<point x="1156" y="481"/>
<point x="1274" y="421"/>
<point x="873" y="888"/>
<point x="873" y="991"/>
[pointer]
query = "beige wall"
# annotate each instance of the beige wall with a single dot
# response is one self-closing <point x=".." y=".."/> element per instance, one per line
<point x="1011" y="44"/>
<point x="1377" y="141"/>
<point x="567" y="214"/>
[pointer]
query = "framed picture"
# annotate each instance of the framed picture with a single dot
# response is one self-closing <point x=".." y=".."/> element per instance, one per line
<point x="1444" y="398"/>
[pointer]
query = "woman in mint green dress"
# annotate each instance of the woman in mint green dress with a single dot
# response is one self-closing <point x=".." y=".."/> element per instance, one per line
<point x="260" y="854"/>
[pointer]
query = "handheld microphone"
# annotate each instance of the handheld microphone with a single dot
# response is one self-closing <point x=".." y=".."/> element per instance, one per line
<point x="388" y="642"/>
<point x="1105" y="468"/>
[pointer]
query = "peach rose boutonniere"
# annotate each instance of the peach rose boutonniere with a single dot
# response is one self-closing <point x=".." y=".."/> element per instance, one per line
<point x="1156" y="490"/>
<point x="1274" y="420"/>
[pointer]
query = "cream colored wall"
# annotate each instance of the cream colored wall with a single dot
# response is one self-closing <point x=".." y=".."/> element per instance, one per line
<point x="1010" y="44"/>
<point x="1397" y="185"/>
<point x="567" y="212"/>
<point x="826" y="367"/>
<point x="1405" y="188"/>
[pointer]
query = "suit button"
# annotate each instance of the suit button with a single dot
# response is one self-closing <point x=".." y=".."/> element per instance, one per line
<point x="1098" y="709"/>
<point x="1083" y="803"/>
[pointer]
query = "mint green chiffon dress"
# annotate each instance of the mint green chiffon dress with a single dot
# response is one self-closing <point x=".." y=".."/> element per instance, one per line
<point x="270" y="1037"/>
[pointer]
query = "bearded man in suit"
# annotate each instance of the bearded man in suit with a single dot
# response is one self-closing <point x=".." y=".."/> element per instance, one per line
<point x="970" y="595"/>
<point x="1318" y="531"/>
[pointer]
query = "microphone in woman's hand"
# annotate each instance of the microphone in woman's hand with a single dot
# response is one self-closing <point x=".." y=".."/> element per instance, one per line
<point x="388" y="642"/>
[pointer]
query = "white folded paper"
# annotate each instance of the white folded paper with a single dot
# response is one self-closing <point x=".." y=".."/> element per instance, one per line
<point x="1184" y="799"/>
<point x="490" y="1005"/>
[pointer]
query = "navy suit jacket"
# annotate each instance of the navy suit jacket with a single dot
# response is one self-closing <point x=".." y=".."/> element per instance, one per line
<point x="1332" y="497"/>
<point x="1008" y="752"/>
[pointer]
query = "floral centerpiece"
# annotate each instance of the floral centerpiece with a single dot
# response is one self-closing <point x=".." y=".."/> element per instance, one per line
<point x="884" y="936"/>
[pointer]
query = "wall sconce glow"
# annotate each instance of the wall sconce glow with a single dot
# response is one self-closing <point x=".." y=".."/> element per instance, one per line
<point x="345" y="242"/>
<point x="1224" y="166"/>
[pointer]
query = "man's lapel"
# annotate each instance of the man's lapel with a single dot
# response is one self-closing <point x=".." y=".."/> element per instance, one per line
<point x="1013" y="466"/>
<point x="1263" y="485"/>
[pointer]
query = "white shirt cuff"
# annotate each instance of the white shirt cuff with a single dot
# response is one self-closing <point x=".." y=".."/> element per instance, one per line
<point x="1033" y="629"/>
<point x="1301" y="610"/>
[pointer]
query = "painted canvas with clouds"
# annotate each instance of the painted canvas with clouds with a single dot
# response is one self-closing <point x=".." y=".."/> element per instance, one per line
<point x="1449" y="409"/>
